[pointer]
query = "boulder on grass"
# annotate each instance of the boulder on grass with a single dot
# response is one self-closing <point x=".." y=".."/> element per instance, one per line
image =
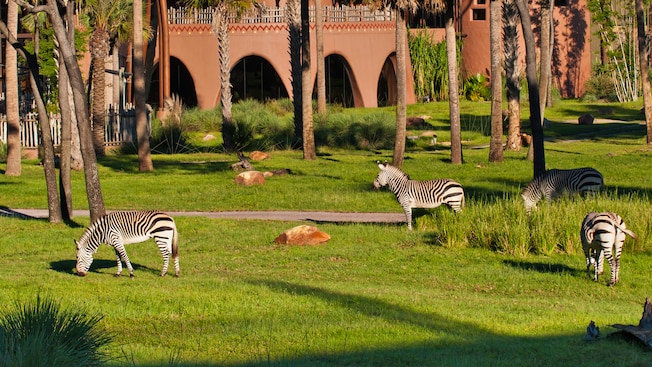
<point x="250" y="178"/>
<point x="585" y="119"/>
<point x="257" y="155"/>
<point x="302" y="235"/>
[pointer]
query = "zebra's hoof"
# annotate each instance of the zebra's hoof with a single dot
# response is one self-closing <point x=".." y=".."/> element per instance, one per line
<point x="116" y="275"/>
<point x="131" y="276"/>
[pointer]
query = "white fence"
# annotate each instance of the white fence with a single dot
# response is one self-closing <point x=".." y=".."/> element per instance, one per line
<point x="119" y="129"/>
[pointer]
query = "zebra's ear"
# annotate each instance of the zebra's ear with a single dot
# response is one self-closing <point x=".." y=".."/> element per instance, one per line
<point x="381" y="166"/>
<point x="76" y="243"/>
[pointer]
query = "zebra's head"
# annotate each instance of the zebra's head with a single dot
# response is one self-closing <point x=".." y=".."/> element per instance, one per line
<point x="531" y="196"/>
<point x="381" y="179"/>
<point x="84" y="258"/>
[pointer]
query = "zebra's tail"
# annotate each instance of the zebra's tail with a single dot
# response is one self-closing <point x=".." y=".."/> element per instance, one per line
<point x="175" y="250"/>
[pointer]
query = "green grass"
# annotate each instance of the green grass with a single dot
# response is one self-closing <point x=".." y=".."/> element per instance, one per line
<point x="487" y="287"/>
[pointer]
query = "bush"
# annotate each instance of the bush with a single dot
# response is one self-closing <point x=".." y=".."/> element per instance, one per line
<point x="41" y="334"/>
<point x="375" y="130"/>
<point x="600" y="86"/>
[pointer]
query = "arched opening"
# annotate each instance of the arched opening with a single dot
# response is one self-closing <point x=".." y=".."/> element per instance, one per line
<point x="255" y="78"/>
<point x="387" y="84"/>
<point x="181" y="84"/>
<point x="338" y="82"/>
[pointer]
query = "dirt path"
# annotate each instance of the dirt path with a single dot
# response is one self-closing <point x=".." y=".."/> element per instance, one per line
<point x="318" y="216"/>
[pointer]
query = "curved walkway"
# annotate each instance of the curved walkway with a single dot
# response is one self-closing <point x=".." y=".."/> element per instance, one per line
<point x="317" y="216"/>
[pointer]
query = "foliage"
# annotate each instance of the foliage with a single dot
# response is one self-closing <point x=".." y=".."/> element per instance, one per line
<point x="429" y="66"/>
<point x="40" y="333"/>
<point x="3" y="152"/>
<point x="616" y="26"/>
<point x="348" y="129"/>
<point x="600" y="86"/>
<point x="476" y="88"/>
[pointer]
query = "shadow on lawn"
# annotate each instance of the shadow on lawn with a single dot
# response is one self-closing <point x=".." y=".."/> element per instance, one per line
<point x="453" y="343"/>
<point x="68" y="266"/>
<point x="129" y="164"/>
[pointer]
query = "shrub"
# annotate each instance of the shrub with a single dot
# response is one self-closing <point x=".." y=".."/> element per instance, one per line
<point x="476" y="88"/>
<point x="375" y="130"/>
<point x="42" y="334"/>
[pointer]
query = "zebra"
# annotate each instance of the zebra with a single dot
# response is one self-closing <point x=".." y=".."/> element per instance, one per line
<point x="603" y="235"/>
<point x="419" y="194"/>
<point x="121" y="228"/>
<point x="557" y="182"/>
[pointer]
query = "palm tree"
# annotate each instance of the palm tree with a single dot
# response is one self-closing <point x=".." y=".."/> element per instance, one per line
<point x="496" y="143"/>
<point x="401" y="87"/>
<point x="533" y="89"/>
<point x="11" y="99"/>
<point x="67" y="49"/>
<point x="293" y="14"/>
<point x="512" y="74"/>
<point x="308" y="134"/>
<point x="546" y="54"/>
<point x="144" y="156"/>
<point x="221" y="28"/>
<point x="321" y="68"/>
<point x="643" y="56"/>
<point x="453" y="86"/>
<point x="105" y="16"/>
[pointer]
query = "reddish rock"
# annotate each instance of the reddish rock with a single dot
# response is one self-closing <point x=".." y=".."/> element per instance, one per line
<point x="257" y="155"/>
<point x="526" y="140"/>
<point x="302" y="235"/>
<point x="250" y="178"/>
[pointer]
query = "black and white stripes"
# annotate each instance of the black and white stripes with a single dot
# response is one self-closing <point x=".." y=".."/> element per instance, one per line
<point x="126" y="227"/>
<point x="419" y="194"/>
<point x="603" y="235"/>
<point x="557" y="182"/>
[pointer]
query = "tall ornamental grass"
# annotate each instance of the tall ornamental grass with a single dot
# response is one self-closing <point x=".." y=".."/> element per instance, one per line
<point x="40" y="333"/>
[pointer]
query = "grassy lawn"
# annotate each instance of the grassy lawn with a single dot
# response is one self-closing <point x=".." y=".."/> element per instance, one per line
<point x="487" y="287"/>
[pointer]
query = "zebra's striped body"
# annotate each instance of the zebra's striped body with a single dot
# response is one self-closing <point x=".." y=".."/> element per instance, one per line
<point x="121" y="228"/>
<point x="419" y="194"/>
<point x="557" y="182"/>
<point x="603" y="235"/>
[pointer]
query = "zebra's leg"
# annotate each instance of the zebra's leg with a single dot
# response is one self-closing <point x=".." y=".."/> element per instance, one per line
<point x="588" y="254"/>
<point x="408" y="217"/>
<point x="120" y="250"/>
<point x="597" y="269"/>
<point x="119" y="261"/>
<point x="613" y="267"/>
<point x="165" y="247"/>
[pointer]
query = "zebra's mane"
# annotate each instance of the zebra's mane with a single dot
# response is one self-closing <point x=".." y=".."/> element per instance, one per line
<point x="91" y="231"/>
<point x="396" y="172"/>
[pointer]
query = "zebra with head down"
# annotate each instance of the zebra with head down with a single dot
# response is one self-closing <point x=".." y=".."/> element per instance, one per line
<point x="419" y="194"/>
<point x="558" y="182"/>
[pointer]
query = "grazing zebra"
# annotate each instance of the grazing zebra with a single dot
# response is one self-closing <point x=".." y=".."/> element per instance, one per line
<point x="121" y="228"/>
<point x="419" y="194"/>
<point x="557" y="182"/>
<point x="603" y="235"/>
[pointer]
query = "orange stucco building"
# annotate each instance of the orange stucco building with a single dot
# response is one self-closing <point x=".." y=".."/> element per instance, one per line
<point x="359" y="46"/>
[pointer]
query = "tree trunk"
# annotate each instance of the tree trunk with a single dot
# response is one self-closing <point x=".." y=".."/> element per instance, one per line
<point x="309" y="152"/>
<point x="533" y="90"/>
<point x="293" y="13"/>
<point x="453" y="90"/>
<point x="222" y="28"/>
<point x="11" y="99"/>
<point x="546" y="54"/>
<point x="321" y="67"/>
<point x="142" y="131"/>
<point x="643" y="57"/>
<point x="99" y="49"/>
<point x="93" y="188"/>
<point x="496" y="143"/>
<point x="512" y="74"/>
<point x="54" y="209"/>
<point x="401" y="89"/>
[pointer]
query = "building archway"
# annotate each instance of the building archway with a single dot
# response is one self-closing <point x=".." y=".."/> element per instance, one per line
<point x="339" y="82"/>
<point x="387" y="83"/>
<point x="253" y="77"/>
<point x="181" y="84"/>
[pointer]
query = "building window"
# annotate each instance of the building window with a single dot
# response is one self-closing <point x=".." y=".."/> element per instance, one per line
<point x="481" y="2"/>
<point x="561" y="2"/>
<point x="479" y="14"/>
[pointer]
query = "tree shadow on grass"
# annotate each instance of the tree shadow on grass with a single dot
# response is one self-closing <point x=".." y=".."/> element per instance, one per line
<point x="453" y="343"/>
<point x="541" y="267"/>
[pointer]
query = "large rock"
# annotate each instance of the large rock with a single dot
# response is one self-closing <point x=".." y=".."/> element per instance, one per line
<point x="257" y="155"/>
<point x="302" y="235"/>
<point x="585" y="119"/>
<point x="250" y="178"/>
